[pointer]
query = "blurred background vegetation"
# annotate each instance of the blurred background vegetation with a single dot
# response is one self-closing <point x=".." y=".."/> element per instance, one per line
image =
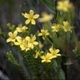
<point x="10" y="12"/>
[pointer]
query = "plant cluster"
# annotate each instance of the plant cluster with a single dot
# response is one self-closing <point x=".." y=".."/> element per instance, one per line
<point x="48" y="45"/>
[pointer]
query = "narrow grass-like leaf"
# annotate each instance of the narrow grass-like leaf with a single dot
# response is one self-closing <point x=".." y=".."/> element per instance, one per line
<point x="49" y="5"/>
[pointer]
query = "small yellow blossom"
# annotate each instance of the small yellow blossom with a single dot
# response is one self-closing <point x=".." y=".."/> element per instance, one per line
<point x="31" y="41"/>
<point x="38" y="53"/>
<point x="54" y="52"/>
<point x="19" y="41"/>
<point x="64" y="5"/>
<point x="25" y="44"/>
<point x="21" y="28"/>
<point x="47" y="57"/>
<point x="43" y="33"/>
<point x="66" y="26"/>
<point x="12" y="37"/>
<point x="45" y="17"/>
<point x="55" y="27"/>
<point x="30" y="17"/>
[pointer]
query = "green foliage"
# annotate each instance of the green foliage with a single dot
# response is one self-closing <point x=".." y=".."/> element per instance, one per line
<point x="49" y="5"/>
<point x="10" y="27"/>
<point x="12" y="59"/>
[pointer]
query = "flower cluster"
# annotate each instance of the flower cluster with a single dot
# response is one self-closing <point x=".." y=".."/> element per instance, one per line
<point x="26" y="43"/>
<point x="53" y="53"/>
<point x="23" y="37"/>
<point x="65" y="26"/>
<point x="47" y="56"/>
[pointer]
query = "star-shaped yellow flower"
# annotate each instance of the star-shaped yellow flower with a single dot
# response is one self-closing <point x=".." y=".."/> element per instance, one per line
<point x="19" y="41"/>
<point x="21" y="28"/>
<point x="64" y="5"/>
<point x="55" y="28"/>
<point x="30" y="17"/>
<point x="45" y="17"/>
<point x="12" y="36"/>
<point x="25" y="44"/>
<point x="43" y="33"/>
<point x="47" y="57"/>
<point x="66" y="26"/>
<point x="54" y="52"/>
<point x="32" y="41"/>
<point x="38" y="53"/>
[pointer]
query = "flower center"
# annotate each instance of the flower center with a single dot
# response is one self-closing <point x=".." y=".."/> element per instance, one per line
<point x="31" y="16"/>
<point x="13" y="36"/>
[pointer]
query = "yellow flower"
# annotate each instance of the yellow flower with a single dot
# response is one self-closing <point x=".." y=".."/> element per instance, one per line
<point x="66" y="26"/>
<point x="54" y="52"/>
<point x="43" y="33"/>
<point x="47" y="57"/>
<point x="12" y="37"/>
<point x="64" y="5"/>
<point x="45" y="17"/>
<point x="19" y="41"/>
<point x="30" y="17"/>
<point x="21" y="28"/>
<point x="55" y="27"/>
<point x="25" y="44"/>
<point x="38" y="53"/>
<point x="31" y="41"/>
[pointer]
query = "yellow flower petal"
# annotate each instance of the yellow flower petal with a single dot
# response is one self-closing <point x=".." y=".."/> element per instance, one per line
<point x="8" y="40"/>
<point x="25" y="15"/>
<point x="58" y="54"/>
<point x="27" y="38"/>
<point x="36" y="16"/>
<point x="33" y="22"/>
<point x="33" y="37"/>
<point x="40" y="34"/>
<point x="37" y="54"/>
<point x="46" y="61"/>
<point x="27" y="21"/>
<point x="31" y="12"/>
<point x="10" y="33"/>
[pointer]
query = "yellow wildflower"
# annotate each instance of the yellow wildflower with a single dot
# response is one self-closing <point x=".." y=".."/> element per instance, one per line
<point x="30" y="17"/>
<point x="66" y="26"/>
<point x="64" y="5"/>
<point x="54" y="52"/>
<point x="38" y="53"/>
<point x="25" y="44"/>
<point x="47" y="57"/>
<point x="55" y="27"/>
<point x="21" y="28"/>
<point x="12" y="37"/>
<point x="45" y="17"/>
<point x="43" y="33"/>
<point x="19" y="40"/>
<point x="31" y="41"/>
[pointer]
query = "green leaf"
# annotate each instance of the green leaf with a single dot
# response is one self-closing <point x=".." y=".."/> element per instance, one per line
<point x="11" y="58"/>
<point x="47" y="26"/>
<point x="49" y="5"/>
<point x="61" y="75"/>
